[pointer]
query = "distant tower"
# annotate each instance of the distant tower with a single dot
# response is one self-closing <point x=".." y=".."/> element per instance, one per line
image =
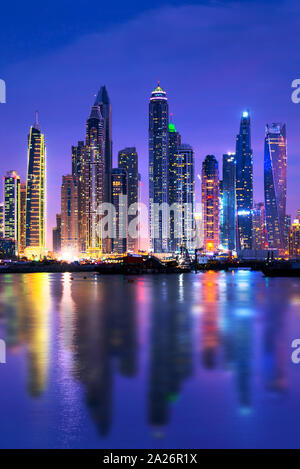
<point x="158" y="168"/>
<point x="228" y="228"/>
<point x="210" y="203"/>
<point x="36" y="192"/>
<point x="119" y="200"/>
<point x="294" y="244"/>
<point x="259" y="227"/>
<point x="69" y="213"/>
<point x="173" y="189"/>
<point x="22" y="245"/>
<point x="275" y="185"/>
<point x="128" y="160"/>
<point x="12" y="207"/>
<point x="1" y="219"/>
<point x="56" y="235"/>
<point x="244" y="183"/>
<point x="185" y="181"/>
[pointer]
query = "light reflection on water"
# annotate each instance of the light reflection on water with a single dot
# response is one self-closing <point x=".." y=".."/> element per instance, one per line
<point x="190" y="360"/>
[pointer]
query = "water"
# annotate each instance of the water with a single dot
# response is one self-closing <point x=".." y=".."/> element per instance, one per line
<point x="175" y="361"/>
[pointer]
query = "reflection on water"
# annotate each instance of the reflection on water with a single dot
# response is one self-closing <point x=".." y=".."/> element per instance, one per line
<point x="191" y="360"/>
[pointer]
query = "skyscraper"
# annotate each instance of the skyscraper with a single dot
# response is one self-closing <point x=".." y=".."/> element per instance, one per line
<point x="128" y="160"/>
<point x="92" y="192"/>
<point x="103" y="102"/>
<point x="12" y="207"/>
<point x="228" y="225"/>
<point x="119" y="200"/>
<point x="69" y="214"/>
<point x="259" y="227"/>
<point x="210" y="203"/>
<point x="275" y="184"/>
<point x="56" y="234"/>
<point x="158" y="169"/>
<point x="173" y="189"/>
<point x="185" y="182"/>
<point x="294" y="244"/>
<point x="1" y="219"/>
<point x="244" y="183"/>
<point x="22" y="244"/>
<point x="36" y="192"/>
<point x="77" y="158"/>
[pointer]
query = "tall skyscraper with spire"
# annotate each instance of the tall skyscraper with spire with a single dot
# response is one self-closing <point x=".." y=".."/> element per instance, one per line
<point x="275" y="161"/>
<point x="93" y="183"/>
<point x="244" y="183"/>
<point x="158" y="169"/>
<point x="35" y="230"/>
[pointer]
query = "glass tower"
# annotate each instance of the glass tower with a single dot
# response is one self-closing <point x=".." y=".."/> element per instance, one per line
<point x="158" y="169"/>
<point x="244" y="183"/>
<point x="275" y="184"/>
<point x="36" y="192"/>
<point x="210" y="203"/>
<point x="12" y="207"/>
<point x="119" y="200"/>
<point x="173" y="147"/>
<point x="128" y="161"/>
<point x="228" y="225"/>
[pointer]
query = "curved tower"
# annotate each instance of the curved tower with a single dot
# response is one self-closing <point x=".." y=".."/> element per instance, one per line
<point x="275" y="184"/>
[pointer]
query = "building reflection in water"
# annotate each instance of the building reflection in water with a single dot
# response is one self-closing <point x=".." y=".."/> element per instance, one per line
<point x="93" y="327"/>
<point x="275" y="341"/>
<point x="105" y="333"/>
<point x="27" y="305"/>
<point x="170" y="349"/>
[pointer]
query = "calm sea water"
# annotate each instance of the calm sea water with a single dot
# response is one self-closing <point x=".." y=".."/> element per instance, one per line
<point x="175" y="361"/>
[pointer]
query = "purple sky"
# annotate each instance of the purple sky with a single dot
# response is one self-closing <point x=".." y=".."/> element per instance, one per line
<point x="213" y="61"/>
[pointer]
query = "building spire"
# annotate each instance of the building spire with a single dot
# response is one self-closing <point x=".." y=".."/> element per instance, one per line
<point x="36" y="124"/>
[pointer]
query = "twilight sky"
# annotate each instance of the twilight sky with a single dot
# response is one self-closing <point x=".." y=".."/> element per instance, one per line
<point x="214" y="59"/>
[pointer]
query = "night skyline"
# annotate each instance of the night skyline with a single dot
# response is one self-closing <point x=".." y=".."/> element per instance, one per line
<point x="206" y="99"/>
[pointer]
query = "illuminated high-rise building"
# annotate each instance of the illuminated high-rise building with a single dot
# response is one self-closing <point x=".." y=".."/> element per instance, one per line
<point x="119" y="200"/>
<point x="275" y="184"/>
<point x="228" y="219"/>
<point x="244" y="184"/>
<point x="36" y="193"/>
<point x="1" y="219"/>
<point x="12" y="207"/>
<point x="22" y="244"/>
<point x="185" y="181"/>
<point x="92" y="185"/>
<point x="77" y="158"/>
<point x="158" y="170"/>
<point x="69" y="214"/>
<point x="128" y="160"/>
<point x="259" y="227"/>
<point x="103" y="101"/>
<point x="173" y="194"/>
<point x="294" y="240"/>
<point x="287" y="229"/>
<point x="210" y="203"/>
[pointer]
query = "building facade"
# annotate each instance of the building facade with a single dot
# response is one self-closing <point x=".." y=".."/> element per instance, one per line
<point x="228" y="220"/>
<point x="158" y="170"/>
<point x="174" y="143"/>
<point x="119" y="201"/>
<point x="22" y="244"/>
<point x="260" y="241"/>
<point x="35" y="230"/>
<point x="294" y="244"/>
<point x="275" y="161"/>
<point x="12" y="207"/>
<point x="244" y="184"/>
<point x="128" y="161"/>
<point x="210" y="203"/>
<point x="56" y="235"/>
<point x="69" y="214"/>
